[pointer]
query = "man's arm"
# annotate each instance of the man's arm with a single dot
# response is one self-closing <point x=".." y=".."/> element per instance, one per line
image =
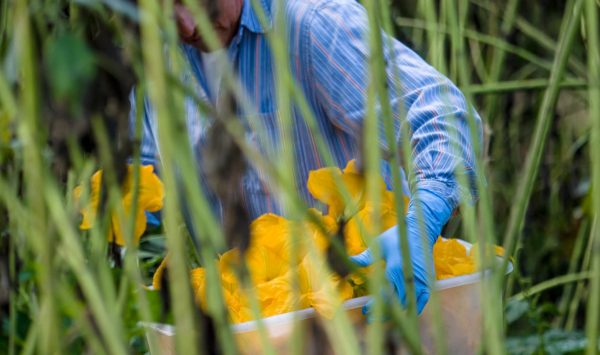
<point x="435" y="109"/>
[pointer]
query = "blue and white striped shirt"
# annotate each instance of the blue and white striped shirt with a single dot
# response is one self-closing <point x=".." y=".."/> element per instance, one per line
<point x="328" y="50"/>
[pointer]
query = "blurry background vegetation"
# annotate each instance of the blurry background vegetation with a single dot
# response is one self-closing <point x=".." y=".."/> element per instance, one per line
<point x="510" y="46"/>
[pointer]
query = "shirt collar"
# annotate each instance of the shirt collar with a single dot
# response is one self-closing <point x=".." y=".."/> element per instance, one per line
<point x="249" y="18"/>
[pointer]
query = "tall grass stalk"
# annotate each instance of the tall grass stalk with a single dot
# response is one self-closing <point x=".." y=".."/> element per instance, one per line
<point x="372" y="160"/>
<point x="574" y="264"/>
<point x="593" y="42"/>
<point x="499" y="56"/>
<point x="480" y="37"/>
<point x="396" y="163"/>
<point x="33" y="170"/>
<point x="155" y="69"/>
<point x="132" y="278"/>
<point x="485" y="233"/>
<point x="581" y="288"/>
<point x="406" y="149"/>
<point x="543" y="121"/>
<point x="554" y="282"/>
<point x="286" y="159"/>
<point x="437" y="56"/>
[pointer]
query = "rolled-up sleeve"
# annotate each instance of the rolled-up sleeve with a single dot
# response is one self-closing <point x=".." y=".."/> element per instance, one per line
<point x="147" y="143"/>
<point x="337" y="50"/>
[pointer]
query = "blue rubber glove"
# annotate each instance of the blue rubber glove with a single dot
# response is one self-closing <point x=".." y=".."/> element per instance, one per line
<point x="436" y="212"/>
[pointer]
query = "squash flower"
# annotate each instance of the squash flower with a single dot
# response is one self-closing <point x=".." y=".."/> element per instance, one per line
<point x="150" y="198"/>
<point x="323" y="186"/>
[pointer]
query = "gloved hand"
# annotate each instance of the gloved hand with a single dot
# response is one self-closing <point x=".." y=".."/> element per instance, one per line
<point x="435" y="212"/>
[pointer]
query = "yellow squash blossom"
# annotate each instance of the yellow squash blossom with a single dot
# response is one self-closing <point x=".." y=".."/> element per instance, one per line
<point x="320" y="288"/>
<point x="356" y="238"/>
<point x="474" y="252"/>
<point x="450" y="259"/>
<point x="198" y="281"/>
<point x="273" y="271"/>
<point x="323" y="185"/>
<point x="150" y="198"/>
<point x="157" y="278"/>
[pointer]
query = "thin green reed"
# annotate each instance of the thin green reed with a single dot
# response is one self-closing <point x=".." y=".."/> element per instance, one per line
<point x="526" y="28"/>
<point x="372" y="161"/>
<point x="574" y="264"/>
<point x="479" y="37"/>
<point x="286" y="166"/>
<point x="543" y="123"/>
<point x="381" y="81"/>
<point x="203" y="220"/>
<point x="154" y="63"/>
<point x="12" y="264"/>
<point x="551" y="283"/>
<point x="436" y="50"/>
<point x="490" y="291"/>
<point x="593" y="42"/>
<point x="581" y="288"/>
<point x="378" y="105"/>
<point x="309" y="119"/>
<point x="342" y="330"/>
<point x="210" y="234"/>
<point x="286" y="160"/>
<point x="132" y="277"/>
<point x="499" y="57"/>
<point x="32" y="138"/>
<point x="532" y="84"/>
<point x="406" y="149"/>
<point x="71" y="252"/>
<point x="187" y="171"/>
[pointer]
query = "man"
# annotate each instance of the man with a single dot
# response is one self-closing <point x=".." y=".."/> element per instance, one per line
<point x="328" y="48"/>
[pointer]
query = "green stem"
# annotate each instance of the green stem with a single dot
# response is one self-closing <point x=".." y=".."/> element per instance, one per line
<point x="544" y="120"/>
<point x="593" y="309"/>
<point x="477" y="36"/>
<point x="554" y="282"/>
<point x="154" y="64"/>
<point x="518" y="85"/>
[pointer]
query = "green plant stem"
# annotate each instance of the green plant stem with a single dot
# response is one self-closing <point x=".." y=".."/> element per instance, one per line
<point x="593" y="306"/>
<point x="525" y="27"/>
<point x="31" y="136"/>
<point x="153" y="55"/>
<point x="72" y="253"/>
<point x="574" y="264"/>
<point x="499" y="56"/>
<point x="492" y="317"/>
<point x="480" y="37"/>
<point x="544" y="119"/>
<point x="554" y="282"/>
<point x="519" y="85"/>
<point x="396" y="160"/>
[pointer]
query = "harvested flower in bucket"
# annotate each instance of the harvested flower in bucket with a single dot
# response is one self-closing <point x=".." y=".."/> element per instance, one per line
<point x="273" y="270"/>
<point x="451" y="259"/>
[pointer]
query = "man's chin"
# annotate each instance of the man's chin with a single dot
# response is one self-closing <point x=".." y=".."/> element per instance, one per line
<point x="195" y="42"/>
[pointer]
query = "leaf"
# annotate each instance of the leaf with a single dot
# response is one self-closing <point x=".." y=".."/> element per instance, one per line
<point x="515" y="309"/>
<point x="70" y="66"/>
<point x="553" y="341"/>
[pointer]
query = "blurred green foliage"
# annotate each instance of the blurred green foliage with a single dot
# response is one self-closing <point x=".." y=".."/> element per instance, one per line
<point x="508" y="41"/>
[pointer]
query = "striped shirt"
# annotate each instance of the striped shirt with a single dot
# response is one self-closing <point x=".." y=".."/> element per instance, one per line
<point x="328" y="50"/>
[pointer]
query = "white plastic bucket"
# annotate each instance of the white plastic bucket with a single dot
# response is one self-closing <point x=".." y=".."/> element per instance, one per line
<point x="461" y="314"/>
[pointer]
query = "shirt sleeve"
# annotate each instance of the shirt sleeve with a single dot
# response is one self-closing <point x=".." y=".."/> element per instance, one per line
<point x="337" y="45"/>
<point x="148" y="149"/>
